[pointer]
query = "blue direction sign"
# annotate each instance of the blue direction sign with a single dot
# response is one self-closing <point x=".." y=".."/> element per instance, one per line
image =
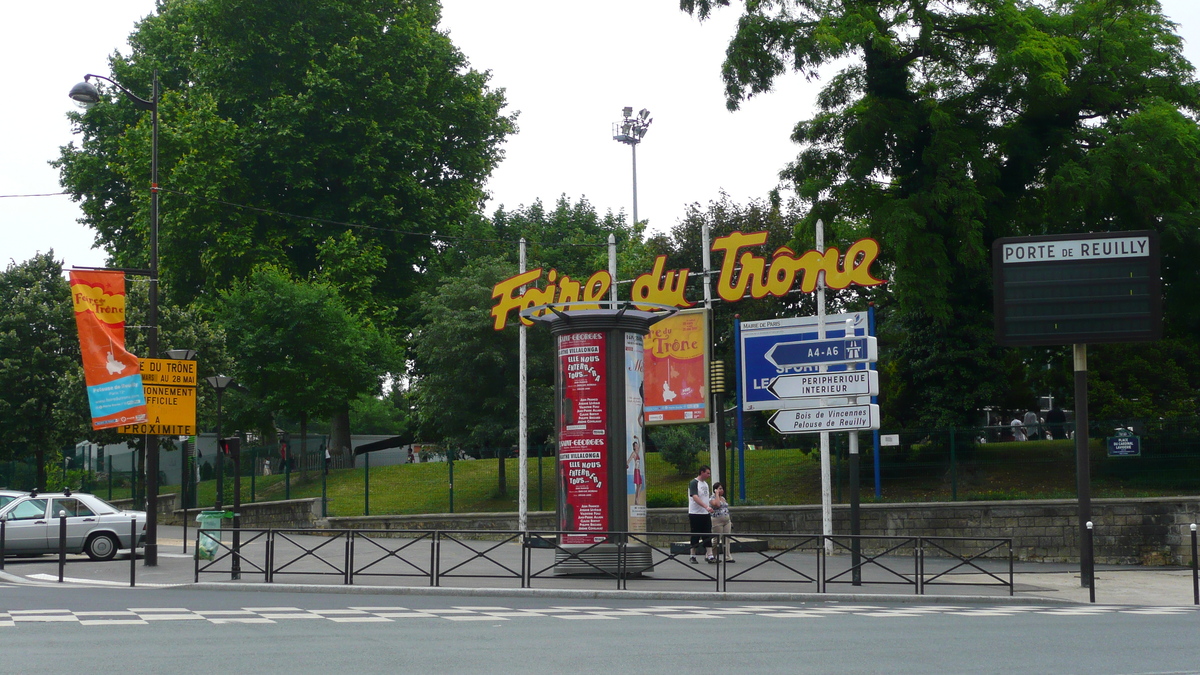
<point x="759" y="337"/>
<point x="823" y="352"/>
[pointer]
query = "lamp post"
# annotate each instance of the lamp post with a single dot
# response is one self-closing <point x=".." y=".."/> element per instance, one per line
<point x="220" y="383"/>
<point x="85" y="94"/>
<point x="630" y="131"/>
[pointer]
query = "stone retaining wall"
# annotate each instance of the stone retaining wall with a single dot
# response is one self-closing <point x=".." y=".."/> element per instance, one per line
<point x="1127" y="531"/>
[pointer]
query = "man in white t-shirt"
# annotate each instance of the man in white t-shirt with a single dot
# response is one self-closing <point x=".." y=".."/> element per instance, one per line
<point x="700" y="514"/>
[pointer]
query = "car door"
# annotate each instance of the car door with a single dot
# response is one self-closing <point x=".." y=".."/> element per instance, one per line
<point x="80" y="521"/>
<point x="25" y="527"/>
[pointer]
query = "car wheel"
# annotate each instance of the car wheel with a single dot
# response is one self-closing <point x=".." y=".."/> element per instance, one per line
<point x="101" y="547"/>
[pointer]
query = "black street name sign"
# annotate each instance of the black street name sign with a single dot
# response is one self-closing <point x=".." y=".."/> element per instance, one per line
<point x="1077" y="288"/>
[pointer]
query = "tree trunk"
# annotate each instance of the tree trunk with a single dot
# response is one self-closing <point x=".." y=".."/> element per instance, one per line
<point x="304" y="446"/>
<point x="40" y="455"/>
<point x="339" y="434"/>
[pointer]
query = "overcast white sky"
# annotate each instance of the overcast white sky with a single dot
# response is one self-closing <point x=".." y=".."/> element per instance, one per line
<point x="568" y="66"/>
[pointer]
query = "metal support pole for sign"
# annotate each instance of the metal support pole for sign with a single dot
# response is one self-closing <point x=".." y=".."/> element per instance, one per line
<point x="236" y="569"/>
<point x="540" y="508"/>
<point x="450" y="465"/>
<point x="737" y="378"/>
<point x="826" y="480"/>
<point x="612" y="266"/>
<point x="1195" y="566"/>
<point x="1091" y="582"/>
<point x="523" y="414"/>
<point x="1083" y="479"/>
<point x="2" y="535"/>
<point x="62" y="544"/>
<point x="324" y="490"/>
<point x="254" y="472"/>
<point x="875" y="400"/>
<point x="186" y="452"/>
<point x="715" y="453"/>
<point x="366" y="483"/>
<point x="132" y="552"/>
<point x="855" y="521"/>
<point x="110" y="478"/>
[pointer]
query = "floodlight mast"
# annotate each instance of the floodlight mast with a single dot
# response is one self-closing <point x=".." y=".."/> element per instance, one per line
<point x="630" y="131"/>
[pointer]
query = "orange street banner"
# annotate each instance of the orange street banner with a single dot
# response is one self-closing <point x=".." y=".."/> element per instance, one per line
<point x="114" y="382"/>
<point x="676" y="364"/>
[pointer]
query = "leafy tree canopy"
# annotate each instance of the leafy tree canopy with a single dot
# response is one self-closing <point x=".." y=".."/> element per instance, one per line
<point x="338" y="111"/>
<point x="297" y="347"/>
<point x="950" y="124"/>
<point x="39" y="348"/>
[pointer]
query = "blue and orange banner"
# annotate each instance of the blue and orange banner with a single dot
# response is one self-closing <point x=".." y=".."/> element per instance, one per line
<point x="114" y="381"/>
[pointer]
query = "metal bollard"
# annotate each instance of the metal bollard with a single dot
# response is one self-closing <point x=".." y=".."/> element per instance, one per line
<point x="1091" y="556"/>
<point x="62" y="543"/>
<point x="133" y="551"/>
<point x="1195" y="566"/>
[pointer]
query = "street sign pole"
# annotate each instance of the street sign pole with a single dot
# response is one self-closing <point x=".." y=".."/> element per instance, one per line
<point x="1083" y="478"/>
<point x="826" y="481"/>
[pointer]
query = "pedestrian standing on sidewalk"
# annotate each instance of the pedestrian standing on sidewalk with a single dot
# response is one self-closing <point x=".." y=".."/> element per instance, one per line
<point x="699" y="514"/>
<point x="721" y="522"/>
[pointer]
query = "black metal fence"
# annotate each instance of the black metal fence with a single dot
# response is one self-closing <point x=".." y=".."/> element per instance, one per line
<point x="456" y="558"/>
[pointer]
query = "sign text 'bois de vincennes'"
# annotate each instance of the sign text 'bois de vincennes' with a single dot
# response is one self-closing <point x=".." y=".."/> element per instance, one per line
<point x="743" y="272"/>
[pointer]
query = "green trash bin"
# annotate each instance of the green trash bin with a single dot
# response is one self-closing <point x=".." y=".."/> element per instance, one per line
<point x="207" y="541"/>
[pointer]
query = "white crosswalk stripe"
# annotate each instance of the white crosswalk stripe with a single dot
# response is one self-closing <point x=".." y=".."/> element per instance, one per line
<point x="142" y="616"/>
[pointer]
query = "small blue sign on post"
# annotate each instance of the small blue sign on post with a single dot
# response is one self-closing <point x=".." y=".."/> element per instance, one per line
<point x="1124" y="444"/>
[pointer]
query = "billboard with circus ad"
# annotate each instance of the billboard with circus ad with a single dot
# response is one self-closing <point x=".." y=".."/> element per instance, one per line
<point x="676" y="369"/>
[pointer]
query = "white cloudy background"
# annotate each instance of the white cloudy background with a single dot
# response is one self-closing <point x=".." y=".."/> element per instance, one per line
<point x="568" y="67"/>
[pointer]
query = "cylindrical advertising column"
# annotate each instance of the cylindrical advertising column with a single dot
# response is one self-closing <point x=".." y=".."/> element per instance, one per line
<point x="601" y="436"/>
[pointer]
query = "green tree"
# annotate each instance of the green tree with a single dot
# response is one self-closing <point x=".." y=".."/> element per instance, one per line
<point x="298" y="348"/>
<point x="336" y="112"/>
<point x="39" y="348"/>
<point x="340" y="110"/>
<point x="464" y="373"/>
<point x="949" y="125"/>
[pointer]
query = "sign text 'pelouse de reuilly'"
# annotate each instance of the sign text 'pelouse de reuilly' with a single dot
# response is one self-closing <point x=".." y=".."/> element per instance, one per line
<point x="742" y="271"/>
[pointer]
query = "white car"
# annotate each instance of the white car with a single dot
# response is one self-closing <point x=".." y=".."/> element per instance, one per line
<point x="95" y="527"/>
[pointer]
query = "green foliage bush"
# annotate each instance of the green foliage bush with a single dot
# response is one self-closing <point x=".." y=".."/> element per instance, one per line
<point x="661" y="499"/>
<point x="680" y="446"/>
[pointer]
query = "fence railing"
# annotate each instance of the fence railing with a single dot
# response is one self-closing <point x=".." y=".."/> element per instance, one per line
<point x="626" y="560"/>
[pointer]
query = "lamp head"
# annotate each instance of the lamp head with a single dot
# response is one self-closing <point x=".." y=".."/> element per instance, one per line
<point x="627" y="110"/>
<point x="85" y="94"/>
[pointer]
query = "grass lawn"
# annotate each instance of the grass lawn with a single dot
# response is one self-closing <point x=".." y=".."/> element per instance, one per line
<point x="1031" y="470"/>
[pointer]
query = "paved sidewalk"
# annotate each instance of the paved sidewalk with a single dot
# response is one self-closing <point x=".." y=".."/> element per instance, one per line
<point x="492" y="568"/>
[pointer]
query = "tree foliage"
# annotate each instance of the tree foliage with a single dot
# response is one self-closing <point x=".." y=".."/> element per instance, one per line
<point x="338" y="111"/>
<point x="39" y="350"/>
<point x="464" y="373"/>
<point x="297" y="347"/>
<point x="950" y="124"/>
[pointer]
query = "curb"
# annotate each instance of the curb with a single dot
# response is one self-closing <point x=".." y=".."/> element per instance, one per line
<point x="597" y="594"/>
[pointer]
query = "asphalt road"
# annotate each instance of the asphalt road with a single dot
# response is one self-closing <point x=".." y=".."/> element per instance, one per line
<point x="192" y="631"/>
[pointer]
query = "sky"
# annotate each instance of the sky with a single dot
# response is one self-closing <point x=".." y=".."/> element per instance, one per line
<point x="567" y="67"/>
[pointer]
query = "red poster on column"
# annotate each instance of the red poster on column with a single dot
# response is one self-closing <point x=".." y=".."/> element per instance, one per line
<point x="583" y="441"/>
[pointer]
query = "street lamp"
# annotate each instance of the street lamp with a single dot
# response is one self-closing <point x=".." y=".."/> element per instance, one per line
<point x="630" y="131"/>
<point x="220" y="383"/>
<point x="85" y="94"/>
